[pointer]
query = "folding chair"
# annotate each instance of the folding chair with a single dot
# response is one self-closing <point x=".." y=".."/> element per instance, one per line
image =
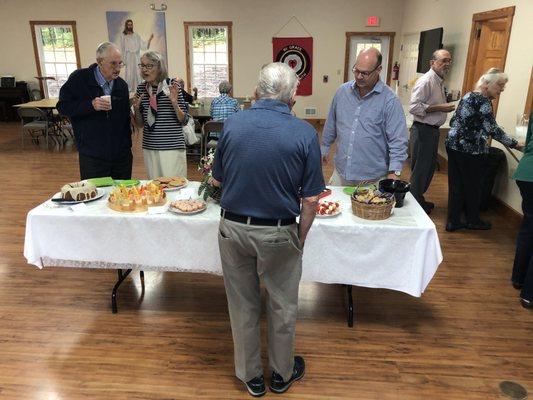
<point x="36" y="122"/>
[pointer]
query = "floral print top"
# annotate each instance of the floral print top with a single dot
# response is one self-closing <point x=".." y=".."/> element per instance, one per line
<point x="472" y="125"/>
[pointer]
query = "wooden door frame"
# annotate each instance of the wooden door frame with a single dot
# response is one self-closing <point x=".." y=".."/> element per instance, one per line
<point x="229" y="26"/>
<point x="505" y="12"/>
<point x="36" y="48"/>
<point x="347" y="67"/>
<point x="529" y="99"/>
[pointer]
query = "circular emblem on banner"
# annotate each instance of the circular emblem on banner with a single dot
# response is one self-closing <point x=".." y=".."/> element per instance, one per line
<point x="296" y="58"/>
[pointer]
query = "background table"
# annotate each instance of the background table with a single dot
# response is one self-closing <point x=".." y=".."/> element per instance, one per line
<point x="401" y="253"/>
<point x="43" y="103"/>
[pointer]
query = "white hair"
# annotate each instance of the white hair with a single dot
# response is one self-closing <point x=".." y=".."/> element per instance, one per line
<point x="491" y="77"/>
<point x="159" y="62"/>
<point x="103" y="48"/>
<point x="224" y="87"/>
<point x="277" y="81"/>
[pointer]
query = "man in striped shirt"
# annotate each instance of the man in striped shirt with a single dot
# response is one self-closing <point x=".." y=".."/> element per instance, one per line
<point x="223" y="106"/>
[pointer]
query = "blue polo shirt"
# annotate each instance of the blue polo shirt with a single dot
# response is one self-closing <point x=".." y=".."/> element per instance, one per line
<point x="267" y="160"/>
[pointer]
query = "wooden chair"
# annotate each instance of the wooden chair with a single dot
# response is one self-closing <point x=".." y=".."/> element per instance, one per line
<point x="209" y="127"/>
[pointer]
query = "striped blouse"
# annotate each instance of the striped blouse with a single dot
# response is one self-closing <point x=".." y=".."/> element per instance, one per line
<point x="167" y="133"/>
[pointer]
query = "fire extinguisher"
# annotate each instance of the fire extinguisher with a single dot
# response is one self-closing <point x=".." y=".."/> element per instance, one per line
<point x="395" y="71"/>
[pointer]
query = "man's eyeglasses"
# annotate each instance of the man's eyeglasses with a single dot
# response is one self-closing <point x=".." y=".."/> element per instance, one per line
<point x="115" y="64"/>
<point x="365" y="74"/>
<point x="146" y="66"/>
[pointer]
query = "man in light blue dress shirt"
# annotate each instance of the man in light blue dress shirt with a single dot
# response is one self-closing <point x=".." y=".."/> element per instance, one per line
<point x="367" y="120"/>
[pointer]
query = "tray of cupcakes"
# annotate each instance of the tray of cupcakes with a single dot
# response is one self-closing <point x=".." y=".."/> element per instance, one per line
<point x="136" y="198"/>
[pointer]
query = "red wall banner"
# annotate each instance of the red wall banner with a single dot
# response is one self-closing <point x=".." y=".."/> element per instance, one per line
<point x="298" y="54"/>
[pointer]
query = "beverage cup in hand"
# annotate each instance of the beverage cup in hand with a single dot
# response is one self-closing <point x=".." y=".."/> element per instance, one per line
<point x="107" y="98"/>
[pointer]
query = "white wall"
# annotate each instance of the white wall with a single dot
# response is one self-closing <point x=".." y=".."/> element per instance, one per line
<point x="254" y="24"/>
<point x="455" y="16"/>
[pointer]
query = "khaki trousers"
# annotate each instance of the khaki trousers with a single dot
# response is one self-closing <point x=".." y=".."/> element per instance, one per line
<point x="165" y="163"/>
<point x="248" y="253"/>
<point x="337" y="180"/>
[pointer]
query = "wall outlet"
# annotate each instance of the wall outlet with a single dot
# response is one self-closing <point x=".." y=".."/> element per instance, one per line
<point x="310" y="111"/>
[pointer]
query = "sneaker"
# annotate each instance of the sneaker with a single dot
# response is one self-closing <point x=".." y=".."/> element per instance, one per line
<point x="278" y="385"/>
<point x="256" y="386"/>
<point x="525" y="303"/>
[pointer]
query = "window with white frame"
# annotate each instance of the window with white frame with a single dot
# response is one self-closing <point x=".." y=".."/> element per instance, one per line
<point x="209" y="52"/>
<point x="57" y="54"/>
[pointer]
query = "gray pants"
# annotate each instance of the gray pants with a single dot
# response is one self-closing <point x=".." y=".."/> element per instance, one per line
<point x="250" y="252"/>
<point x="425" y="144"/>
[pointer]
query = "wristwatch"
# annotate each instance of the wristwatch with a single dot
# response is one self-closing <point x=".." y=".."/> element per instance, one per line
<point x="397" y="173"/>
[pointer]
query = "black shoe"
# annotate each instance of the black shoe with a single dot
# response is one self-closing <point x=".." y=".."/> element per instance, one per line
<point x="428" y="205"/>
<point x="517" y="286"/>
<point x="278" y="385"/>
<point x="256" y="386"/>
<point x="452" y="227"/>
<point x="479" y="226"/>
<point x="526" y="303"/>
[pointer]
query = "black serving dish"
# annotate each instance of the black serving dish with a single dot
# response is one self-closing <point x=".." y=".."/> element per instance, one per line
<point x="397" y="187"/>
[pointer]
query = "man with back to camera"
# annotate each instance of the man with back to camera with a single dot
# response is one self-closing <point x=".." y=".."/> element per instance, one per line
<point x="429" y="107"/>
<point x="258" y="235"/>
<point x="102" y="126"/>
<point x="367" y="120"/>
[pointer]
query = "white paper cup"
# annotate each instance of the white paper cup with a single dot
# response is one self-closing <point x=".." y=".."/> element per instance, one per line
<point x="107" y="98"/>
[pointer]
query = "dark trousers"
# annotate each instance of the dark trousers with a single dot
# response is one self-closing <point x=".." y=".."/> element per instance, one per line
<point x="523" y="261"/>
<point x="119" y="168"/>
<point x="465" y="173"/>
<point x="425" y="144"/>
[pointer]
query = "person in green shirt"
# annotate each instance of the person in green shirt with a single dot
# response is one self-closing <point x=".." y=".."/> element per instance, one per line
<point x="522" y="277"/>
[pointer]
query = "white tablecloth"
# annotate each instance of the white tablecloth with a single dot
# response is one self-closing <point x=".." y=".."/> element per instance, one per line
<point x="401" y="253"/>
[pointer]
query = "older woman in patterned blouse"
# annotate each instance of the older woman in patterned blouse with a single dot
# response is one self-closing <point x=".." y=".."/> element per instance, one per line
<point x="471" y="126"/>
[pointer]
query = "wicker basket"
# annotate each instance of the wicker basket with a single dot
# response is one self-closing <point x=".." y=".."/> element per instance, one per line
<point x="372" y="211"/>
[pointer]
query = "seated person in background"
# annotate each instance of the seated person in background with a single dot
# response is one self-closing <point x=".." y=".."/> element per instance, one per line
<point x="189" y="98"/>
<point x="223" y="106"/>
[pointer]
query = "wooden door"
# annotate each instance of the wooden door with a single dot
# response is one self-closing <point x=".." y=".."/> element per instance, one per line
<point x="489" y="40"/>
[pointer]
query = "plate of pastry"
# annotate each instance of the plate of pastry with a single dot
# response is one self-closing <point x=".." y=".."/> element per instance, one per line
<point x="187" y="207"/>
<point x="170" y="183"/>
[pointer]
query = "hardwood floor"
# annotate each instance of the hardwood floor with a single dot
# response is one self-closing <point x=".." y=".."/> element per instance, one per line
<point x="59" y="339"/>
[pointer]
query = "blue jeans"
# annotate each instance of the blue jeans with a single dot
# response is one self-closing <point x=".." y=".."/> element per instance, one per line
<point x="523" y="262"/>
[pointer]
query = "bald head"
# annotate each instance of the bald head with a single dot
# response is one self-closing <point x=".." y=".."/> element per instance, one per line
<point x="370" y="56"/>
<point x="366" y="69"/>
<point x="440" y="62"/>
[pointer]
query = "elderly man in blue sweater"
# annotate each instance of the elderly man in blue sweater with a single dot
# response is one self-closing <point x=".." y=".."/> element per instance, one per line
<point x="96" y="100"/>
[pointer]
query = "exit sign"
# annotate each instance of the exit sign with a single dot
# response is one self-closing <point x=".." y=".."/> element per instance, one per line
<point x="372" y="21"/>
